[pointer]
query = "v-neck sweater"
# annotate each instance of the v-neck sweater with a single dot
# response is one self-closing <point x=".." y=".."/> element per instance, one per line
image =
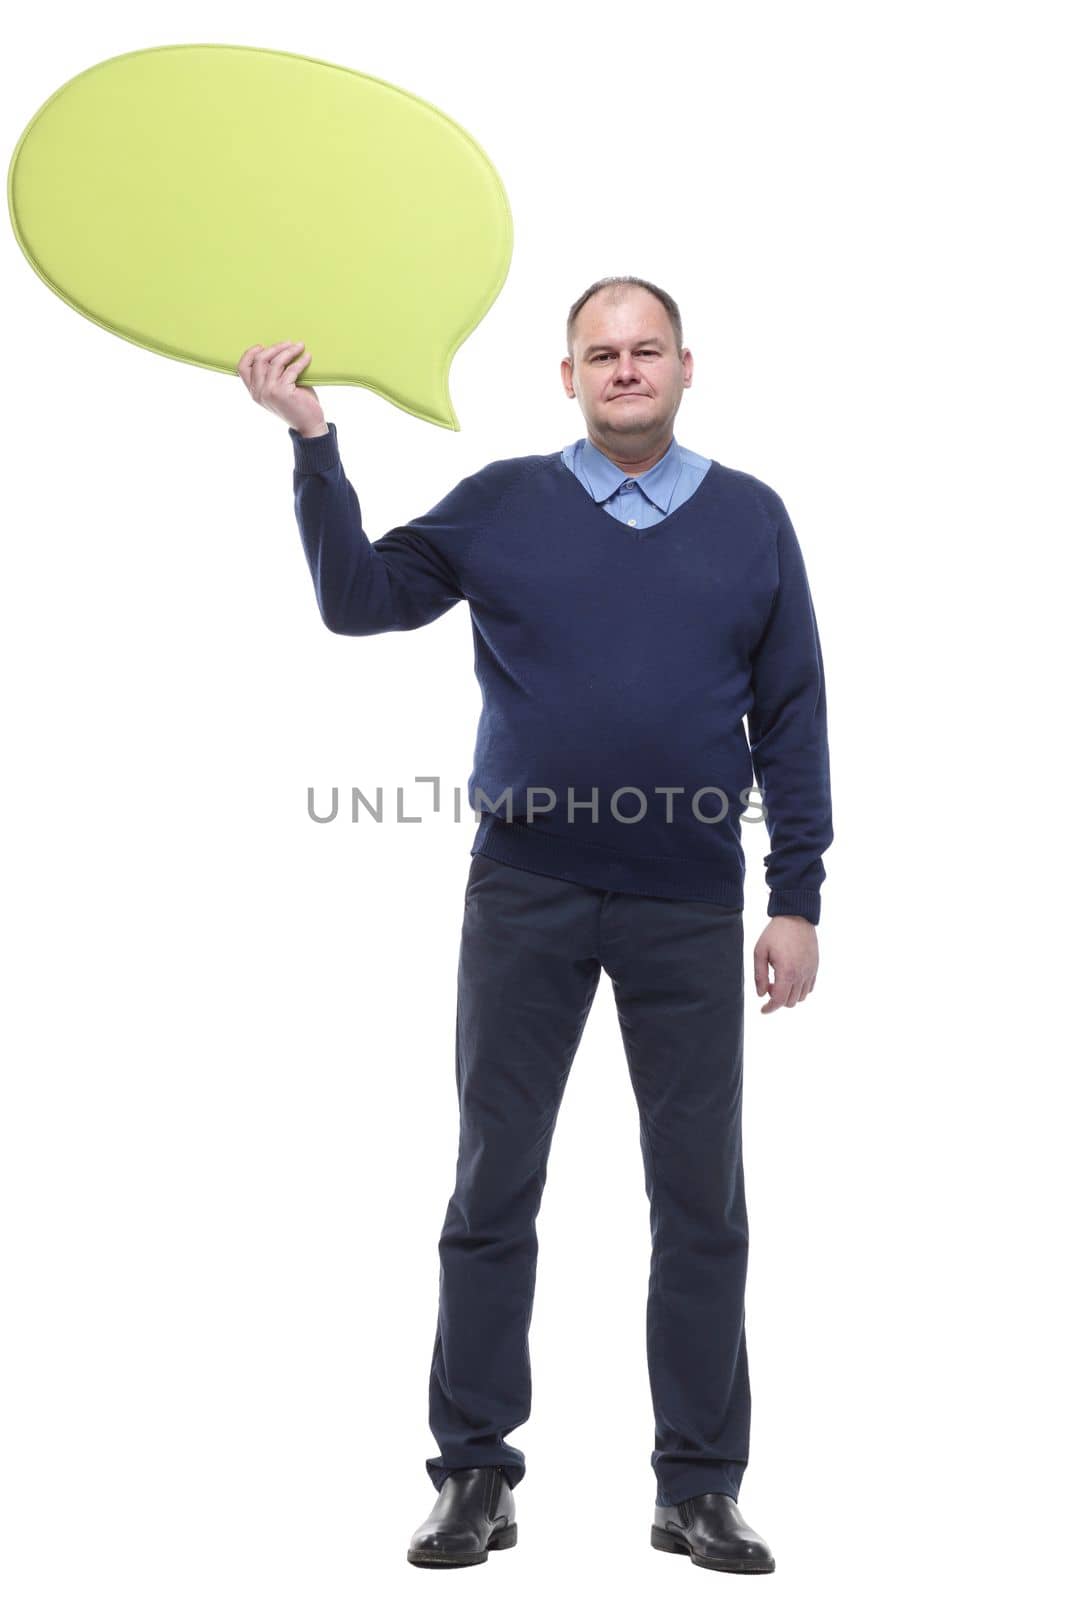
<point x="617" y="667"/>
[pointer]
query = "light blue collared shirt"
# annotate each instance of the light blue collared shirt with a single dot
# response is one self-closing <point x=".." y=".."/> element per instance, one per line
<point x="646" y="498"/>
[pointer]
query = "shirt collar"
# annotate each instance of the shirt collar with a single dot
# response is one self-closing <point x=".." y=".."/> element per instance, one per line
<point x="657" y="484"/>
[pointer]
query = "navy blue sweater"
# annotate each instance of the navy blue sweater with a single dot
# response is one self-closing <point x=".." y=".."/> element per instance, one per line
<point x="617" y="668"/>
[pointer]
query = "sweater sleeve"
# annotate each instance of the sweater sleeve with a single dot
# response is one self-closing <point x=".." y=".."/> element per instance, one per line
<point x="787" y="735"/>
<point x="403" y="580"/>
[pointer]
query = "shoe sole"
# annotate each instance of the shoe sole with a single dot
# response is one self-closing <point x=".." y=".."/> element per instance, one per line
<point x="673" y="1545"/>
<point x="504" y="1540"/>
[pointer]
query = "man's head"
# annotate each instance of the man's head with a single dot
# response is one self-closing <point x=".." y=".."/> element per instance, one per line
<point x="626" y="365"/>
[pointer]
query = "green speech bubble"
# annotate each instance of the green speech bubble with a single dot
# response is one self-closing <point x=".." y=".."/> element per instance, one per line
<point x="197" y="199"/>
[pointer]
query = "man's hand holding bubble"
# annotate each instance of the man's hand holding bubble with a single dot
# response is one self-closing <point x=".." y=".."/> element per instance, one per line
<point x="270" y="376"/>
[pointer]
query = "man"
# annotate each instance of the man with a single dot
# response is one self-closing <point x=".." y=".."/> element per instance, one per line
<point x="632" y="603"/>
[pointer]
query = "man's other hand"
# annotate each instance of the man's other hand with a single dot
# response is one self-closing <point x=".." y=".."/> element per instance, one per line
<point x="789" y="946"/>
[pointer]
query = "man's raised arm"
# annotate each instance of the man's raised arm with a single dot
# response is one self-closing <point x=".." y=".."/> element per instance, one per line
<point x="403" y="580"/>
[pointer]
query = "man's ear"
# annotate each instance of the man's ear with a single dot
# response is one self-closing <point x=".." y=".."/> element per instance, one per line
<point x="566" y="370"/>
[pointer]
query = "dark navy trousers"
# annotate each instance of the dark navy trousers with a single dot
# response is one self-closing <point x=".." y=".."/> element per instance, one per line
<point x="532" y="949"/>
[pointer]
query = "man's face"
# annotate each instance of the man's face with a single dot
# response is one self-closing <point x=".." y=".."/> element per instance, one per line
<point x="626" y="373"/>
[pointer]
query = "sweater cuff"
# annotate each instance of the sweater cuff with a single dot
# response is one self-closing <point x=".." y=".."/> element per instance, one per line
<point x="794" y="903"/>
<point x="318" y="454"/>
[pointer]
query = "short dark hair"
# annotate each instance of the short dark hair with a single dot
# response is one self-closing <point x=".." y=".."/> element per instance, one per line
<point x="670" y="305"/>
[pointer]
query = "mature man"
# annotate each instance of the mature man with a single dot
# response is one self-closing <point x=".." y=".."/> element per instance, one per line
<point x="632" y="603"/>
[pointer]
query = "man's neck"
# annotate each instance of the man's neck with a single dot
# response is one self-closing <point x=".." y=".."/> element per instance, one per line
<point x="634" y="465"/>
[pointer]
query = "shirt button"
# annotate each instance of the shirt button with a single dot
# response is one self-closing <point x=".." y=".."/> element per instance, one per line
<point x="632" y="522"/>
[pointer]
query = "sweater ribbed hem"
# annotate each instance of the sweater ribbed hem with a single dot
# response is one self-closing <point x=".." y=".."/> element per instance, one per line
<point x="517" y="844"/>
<point x="794" y="903"/>
<point x="318" y="454"/>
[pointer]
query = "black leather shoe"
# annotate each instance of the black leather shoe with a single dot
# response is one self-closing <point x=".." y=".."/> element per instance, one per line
<point x="474" y="1513"/>
<point x="711" y="1531"/>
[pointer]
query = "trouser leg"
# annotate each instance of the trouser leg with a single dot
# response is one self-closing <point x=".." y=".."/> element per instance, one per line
<point x="528" y="973"/>
<point x="677" y="972"/>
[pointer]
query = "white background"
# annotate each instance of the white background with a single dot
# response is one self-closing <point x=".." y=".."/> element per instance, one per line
<point x="229" y="1120"/>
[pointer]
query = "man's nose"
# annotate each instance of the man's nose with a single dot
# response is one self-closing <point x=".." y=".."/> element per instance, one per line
<point x="625" y="369"/>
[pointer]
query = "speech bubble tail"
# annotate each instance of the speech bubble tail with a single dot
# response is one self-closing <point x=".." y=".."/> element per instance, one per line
<point x="442" y="410"/>
<point x="430" y="406"/>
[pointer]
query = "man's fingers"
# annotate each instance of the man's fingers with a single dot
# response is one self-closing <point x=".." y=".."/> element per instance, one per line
<point x="280" y="371"/>
<point x="778" y="991"/>
<point x="784" y="991"/>
<point x="260" y="357"/>
<point x="280" y="356"/>
<point x="257" y="356"/>
<point x="786" y="984"/>
<point x="773" y="1003"/>
<point x="244" y="366"/>
<point x="294" y="369"/>
<point x="760" y="960"/>
<point x="787" y="993"/>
